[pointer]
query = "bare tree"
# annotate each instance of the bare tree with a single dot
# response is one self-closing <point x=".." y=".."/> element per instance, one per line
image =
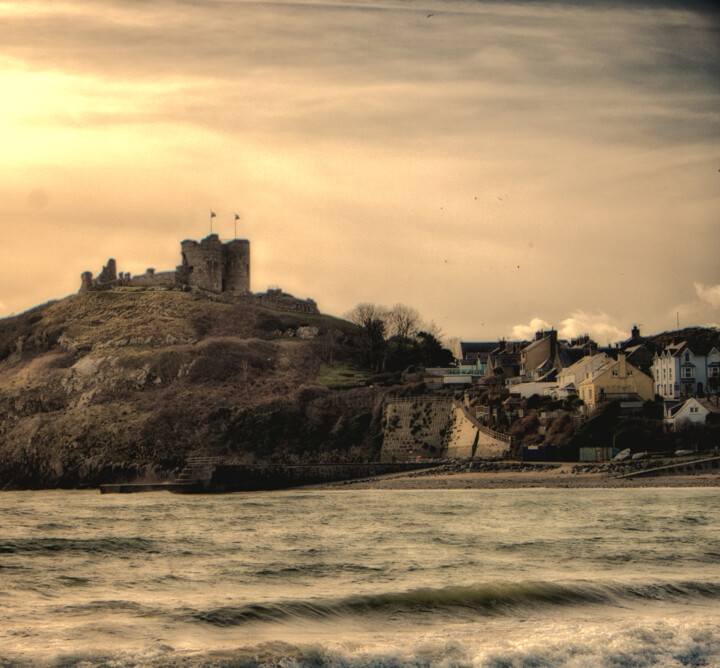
<point x="365" y="313"/>
<point x="371" y="320"/>
<point x="403" y="321"/>
<point x="329" y="343"/>
<point x="432" y="328"/>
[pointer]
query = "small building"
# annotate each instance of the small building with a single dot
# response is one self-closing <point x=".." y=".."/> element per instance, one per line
<point x="540" y="356"/>
<point x="615" y="380"/>
<point x="596" y="454"/>
<point x="690" y="411"/>
<point x="568" y="379"/>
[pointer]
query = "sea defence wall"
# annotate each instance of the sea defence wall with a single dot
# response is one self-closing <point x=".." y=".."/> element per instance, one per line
<point x="436" y="427"/>
<point x="470" y="438"/>
<point x="228" y="477"/>
<point x="209" y="477"/>
<point x="415" y="427"/>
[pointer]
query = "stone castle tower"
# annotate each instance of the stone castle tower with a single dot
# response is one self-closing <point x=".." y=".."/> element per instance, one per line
<point x="215" y="266"/>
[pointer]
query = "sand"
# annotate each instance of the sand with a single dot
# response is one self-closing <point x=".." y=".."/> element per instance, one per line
<point x="562" y="476"/>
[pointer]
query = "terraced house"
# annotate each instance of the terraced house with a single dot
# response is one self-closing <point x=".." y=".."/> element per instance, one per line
<point x="679" y="371"/>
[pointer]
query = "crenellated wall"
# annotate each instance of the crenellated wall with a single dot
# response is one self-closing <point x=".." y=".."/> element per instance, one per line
<point x="214" y="266"/>
<point x="221" y="269"/>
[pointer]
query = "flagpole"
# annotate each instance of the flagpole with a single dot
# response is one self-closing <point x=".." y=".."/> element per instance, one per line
<point x="236" y="220"/>
<point x="212" y="215"/>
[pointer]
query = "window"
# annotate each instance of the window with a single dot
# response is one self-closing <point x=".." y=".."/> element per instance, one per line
<point x="687" y="357"/>
<point x="615" y="373"/>
<point x="629" y="372"/>
<point x="688" y="372"/>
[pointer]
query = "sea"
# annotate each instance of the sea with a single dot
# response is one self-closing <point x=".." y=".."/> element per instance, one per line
<point x="524" y="578"/>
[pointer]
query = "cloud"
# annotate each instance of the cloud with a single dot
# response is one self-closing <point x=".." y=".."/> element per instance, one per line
<point x="525" y="332"/>
<point x="710" y="294"/>
<point x="598" y="325"/>
<point x="702" y="310"/>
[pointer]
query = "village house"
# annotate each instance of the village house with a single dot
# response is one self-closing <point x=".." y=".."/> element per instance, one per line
<point x="568" y="379"/>
<point x="615" y="380"/>
<point x="690" y="411"/>
<point x="540" y="357"/>
<point x="679" y="371"/>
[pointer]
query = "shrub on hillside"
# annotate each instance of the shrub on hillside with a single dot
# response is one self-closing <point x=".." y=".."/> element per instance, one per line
<point x="229" y="359"/>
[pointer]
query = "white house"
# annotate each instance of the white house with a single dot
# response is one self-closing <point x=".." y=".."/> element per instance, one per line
<point x="568" y="379"/>
<point x="691" y="410"/>
<point x="543" y="389"/>
<point x="678" y="371"/>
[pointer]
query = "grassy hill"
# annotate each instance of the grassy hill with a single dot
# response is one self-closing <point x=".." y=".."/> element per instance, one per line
<point x="128" y="382"/>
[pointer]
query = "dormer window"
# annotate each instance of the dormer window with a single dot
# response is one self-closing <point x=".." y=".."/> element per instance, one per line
<point x="687" y="357"/>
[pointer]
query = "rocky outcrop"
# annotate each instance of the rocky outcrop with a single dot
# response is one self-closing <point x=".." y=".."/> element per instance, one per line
<point x="112" y="386"/>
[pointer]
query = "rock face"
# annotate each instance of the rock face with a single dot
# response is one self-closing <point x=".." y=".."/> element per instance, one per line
<point x="117" y="385"/>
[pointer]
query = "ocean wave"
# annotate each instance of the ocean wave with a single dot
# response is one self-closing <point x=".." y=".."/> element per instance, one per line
<point x="92" y="545"/>
<point x="319" y="569"/>
<point x="457" y="602"/>
<point x="638" y="646"/>
<point x="113" y="606"/>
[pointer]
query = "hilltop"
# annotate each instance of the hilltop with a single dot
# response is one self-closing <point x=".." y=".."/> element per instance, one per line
<point x="128" y="382"/>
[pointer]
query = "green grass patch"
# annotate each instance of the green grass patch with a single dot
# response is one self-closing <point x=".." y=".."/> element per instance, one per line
<point x="340" y="373"/>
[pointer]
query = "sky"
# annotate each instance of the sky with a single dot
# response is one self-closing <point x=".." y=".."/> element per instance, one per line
<point x="501" y="167"/>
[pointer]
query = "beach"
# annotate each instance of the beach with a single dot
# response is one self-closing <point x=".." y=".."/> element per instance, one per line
<point x="521" y="476"/>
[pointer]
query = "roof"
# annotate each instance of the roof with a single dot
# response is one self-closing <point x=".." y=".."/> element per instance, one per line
<point x="470" y="347"/>
<point x="505" y="359"/>
<point x="535" y="343"/>
<point x="709" y="403"/>
<point x="570" y="356"/>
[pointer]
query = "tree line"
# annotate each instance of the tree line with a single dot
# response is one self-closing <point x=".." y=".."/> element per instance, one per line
<point x="392" y="339"/>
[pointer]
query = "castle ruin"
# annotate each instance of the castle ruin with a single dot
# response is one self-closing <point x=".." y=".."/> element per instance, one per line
<point x="214" y="267"/>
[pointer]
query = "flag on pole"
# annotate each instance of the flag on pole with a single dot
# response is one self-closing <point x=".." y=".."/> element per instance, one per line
<point x="212" y="214"/>
<point x="237" y="217"/>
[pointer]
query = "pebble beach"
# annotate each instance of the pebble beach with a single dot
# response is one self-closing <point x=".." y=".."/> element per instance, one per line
<point x="518" y="475"/>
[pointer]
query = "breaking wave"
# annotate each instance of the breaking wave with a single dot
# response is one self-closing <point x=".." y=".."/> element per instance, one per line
<point x="458" y="602"/>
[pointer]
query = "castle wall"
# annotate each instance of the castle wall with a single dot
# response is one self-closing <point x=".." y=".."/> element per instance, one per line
<point x="223" y="270"/>
<point x="282" y="301"/>
<point x="150" y="279"/>
<point x="203" y="263"/>
<point x="214" y="266"/>
<point x="236" y="276"/>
